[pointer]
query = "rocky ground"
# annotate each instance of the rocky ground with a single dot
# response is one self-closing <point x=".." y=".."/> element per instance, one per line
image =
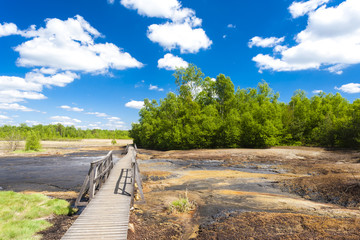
<point x="277" y="193"/>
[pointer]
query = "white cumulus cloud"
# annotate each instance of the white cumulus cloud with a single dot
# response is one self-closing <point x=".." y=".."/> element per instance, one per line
<point x="156" y="88"/>
<point x="17" y="83"/>
<point x="135" y="104"/>
<point x="170" y="9"/>
<point x="171" y="62"/>
<point x="7" y="29"/>
<point x="3" y="117"/>
<point x="330" y="41"/>
<point x="298" y="9"/>
<point x="57" y="53"/>
<point x="350" y="88"/>
<point x="98" y="114"/>
<point x="74" y="109"/>
<point x="64" y="120"/>
<point x="69" y="45"/>
<point x="182" y="35"/>
<point x="15" y="107"/>
<point x="265" y="42"/>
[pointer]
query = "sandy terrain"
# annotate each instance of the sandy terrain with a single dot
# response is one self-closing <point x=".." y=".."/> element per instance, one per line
<point x="63" y="147"/>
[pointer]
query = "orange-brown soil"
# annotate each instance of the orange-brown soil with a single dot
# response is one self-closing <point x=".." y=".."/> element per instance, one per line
<point x="277" y="193"/>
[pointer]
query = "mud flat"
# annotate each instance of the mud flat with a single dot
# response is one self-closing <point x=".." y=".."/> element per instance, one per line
<point x="277" y="193"/>
<point x="56" y="171"/>
<point x="60" y="166"/>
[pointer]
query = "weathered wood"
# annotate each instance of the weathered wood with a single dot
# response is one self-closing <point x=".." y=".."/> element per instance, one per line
<point x="107" y="215"/>
<point x="98" y="173"/>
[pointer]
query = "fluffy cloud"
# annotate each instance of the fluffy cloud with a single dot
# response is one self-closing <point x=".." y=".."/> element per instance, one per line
<point x="265" y="42"/>
<point x="156" y="88"/>
<point x="183" y="30"/>
<point x="98" y="114"/>
<point x="231" y="26"/>
<point x="14" y="107"/>
<point x="113" y="119"/>
<point x="350" y="88"/>
<point x="182" y="35"/>
<point x="16" y="89"/>
<point x="64" y="120"/>
<point x="69" y="45"/>
<point x="298" y="9"/>
<point x="56" y="52"/>
<point x="3" y="117"/>
<point x="17" y="83"/>
<point x="59" y="79"/>
<point x="170" y="9"/>
<point x="135" y="104"/>
<point x="74" y="109"/>
<point x="171" y="62"/>
<point x="7" y="29"/>
<point x="330" y="41"/>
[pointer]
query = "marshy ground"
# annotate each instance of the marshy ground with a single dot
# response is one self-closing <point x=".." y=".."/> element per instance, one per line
<point x="57" y="171"/>
<point x="277" y="193"/>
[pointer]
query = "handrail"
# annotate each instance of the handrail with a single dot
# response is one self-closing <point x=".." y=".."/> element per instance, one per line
<point x="98" y="173"/>
<point x="136" y="177"/>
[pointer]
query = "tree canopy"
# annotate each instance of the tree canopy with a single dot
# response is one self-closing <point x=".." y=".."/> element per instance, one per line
<point x="58" y="131"/>
<point x="210" y="113"/>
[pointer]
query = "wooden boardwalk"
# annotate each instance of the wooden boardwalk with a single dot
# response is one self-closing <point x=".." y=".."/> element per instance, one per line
<point x="107" y="215"/>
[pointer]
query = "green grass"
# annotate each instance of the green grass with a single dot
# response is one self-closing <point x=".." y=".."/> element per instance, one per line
<point x="181" y="205"/>
<point x="23" y="215"/>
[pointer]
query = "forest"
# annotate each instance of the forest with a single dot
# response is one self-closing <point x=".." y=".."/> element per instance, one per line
<point x="210" y="113"/>
<point x="58" y="132"/>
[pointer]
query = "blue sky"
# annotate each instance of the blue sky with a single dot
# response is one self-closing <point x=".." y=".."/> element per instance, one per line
<point x="91" y="63"/>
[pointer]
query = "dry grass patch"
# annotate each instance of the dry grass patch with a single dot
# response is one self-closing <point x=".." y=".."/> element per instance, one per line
<point x="341" y="189"/>
<point x="262" y="225"/>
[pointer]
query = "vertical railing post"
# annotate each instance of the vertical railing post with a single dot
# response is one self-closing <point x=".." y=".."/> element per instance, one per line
<point x="91" y="182"/>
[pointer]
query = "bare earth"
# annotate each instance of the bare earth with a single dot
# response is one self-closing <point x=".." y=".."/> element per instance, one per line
<point x="277" y="193"/>
<point x="64" y="147"/>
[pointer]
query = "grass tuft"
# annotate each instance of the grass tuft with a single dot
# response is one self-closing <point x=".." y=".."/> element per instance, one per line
<point x="182" y="205"/>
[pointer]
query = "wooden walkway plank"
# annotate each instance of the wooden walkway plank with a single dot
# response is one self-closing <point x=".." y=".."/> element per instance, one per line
<point x="107" y="214"/>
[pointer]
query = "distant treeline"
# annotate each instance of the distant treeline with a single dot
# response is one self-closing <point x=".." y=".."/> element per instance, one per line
<point x="58" y="132"/>
<point x="208" y="113"/>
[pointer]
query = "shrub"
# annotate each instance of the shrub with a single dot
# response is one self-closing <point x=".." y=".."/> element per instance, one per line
<point x="113" y="142"/>
<point x="32" y="142"/>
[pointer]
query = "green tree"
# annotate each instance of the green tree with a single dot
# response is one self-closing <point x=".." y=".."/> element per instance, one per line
<point x="32" y="142"/>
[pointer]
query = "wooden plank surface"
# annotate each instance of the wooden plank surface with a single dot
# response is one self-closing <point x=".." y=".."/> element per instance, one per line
<point x="107" y="215"/>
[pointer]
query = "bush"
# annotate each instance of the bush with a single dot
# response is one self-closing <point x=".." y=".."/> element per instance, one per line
<point x="32" y="142"/>
<point x="113" y="142"/>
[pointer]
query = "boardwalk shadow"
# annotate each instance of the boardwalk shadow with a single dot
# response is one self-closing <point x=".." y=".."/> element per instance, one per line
<point x="123" y="182"/>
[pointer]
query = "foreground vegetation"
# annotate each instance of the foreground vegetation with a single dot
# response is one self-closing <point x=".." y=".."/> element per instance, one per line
<point x="23" y="215"/>
<point x="58" y="132"/>
<point x="208" y="113"/>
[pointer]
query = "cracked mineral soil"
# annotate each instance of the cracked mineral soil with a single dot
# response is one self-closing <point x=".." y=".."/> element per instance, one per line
<point x="276" y="193"/>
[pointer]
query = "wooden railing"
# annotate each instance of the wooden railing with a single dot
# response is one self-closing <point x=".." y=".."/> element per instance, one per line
<point x="135" y="173"/>
<point x="97" y="175"/>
